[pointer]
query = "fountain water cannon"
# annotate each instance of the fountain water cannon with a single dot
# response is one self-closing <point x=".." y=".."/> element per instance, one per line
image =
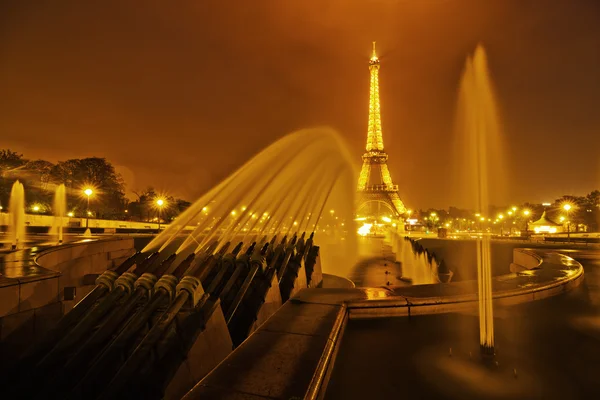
<point x="104" y="284"/>
<point x="145" y="264"/>
<point x="237" y="249"/>
<point x="188" y="292"/>
<point x="120" y="287"/>
<point x="250" y="249"/>
<point x="129" y="262"/>
<point x="165" y="265"/>
<point x="227" y="267"/>
<point x="161" y="293"/>
<point x="184" y="265"/>
<point x="300" y="243"/>
<point x="239" y="314"/>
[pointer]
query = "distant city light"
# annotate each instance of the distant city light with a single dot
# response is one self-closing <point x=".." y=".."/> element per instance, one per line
<point x="365" y="229"/>
<point x="70" y="214"/>
<point x="36" y="208"/>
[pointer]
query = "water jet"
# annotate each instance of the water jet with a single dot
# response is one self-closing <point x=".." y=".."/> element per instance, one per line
<point x="16" y="224"/>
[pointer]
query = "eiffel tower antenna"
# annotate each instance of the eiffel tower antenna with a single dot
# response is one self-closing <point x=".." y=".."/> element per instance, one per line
<point x="375" y="188"/>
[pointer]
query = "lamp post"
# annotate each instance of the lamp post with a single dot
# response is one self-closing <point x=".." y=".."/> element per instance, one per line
<point x="160" y="203"/>
<point x="567" y="207"/>
<point x="526" y="213"/>
<point x="88" y="192"/>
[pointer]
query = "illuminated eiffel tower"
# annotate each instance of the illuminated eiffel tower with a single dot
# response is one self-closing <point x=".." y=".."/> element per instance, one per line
<point x="377" y="194"/>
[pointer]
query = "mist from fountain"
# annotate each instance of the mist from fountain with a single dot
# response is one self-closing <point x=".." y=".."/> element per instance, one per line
<point x="16" y="208"/>
<point x="59" y="210"/>
<point x="419" y="267"/>
<point x="478" y="127"/>
<point x="283" y="190"/>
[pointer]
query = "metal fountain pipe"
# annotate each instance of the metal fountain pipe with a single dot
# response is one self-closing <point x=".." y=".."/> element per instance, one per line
<point x="74" y="369"/>
<point x="250" y="249"/>
<point x="183" y="266"/>
<point x="242" y="266"/>
<point x="104" y="284"/>
<point x="257" y="262"/>
<point x="271" y="249"/>
<point x="121" y="287"/>
<point x="205" y="271"/>
<point x="125" y="265"/>
<point x="163" y="290"/>
<point x="188" y="290"/>
<point x="289" y="251"/>
<point x="203" y="257"/>
<point x="300" y="243"/>
<point x="227" y="264"/>
<point x="264" y="249"/>
<point x="237" y="248"/>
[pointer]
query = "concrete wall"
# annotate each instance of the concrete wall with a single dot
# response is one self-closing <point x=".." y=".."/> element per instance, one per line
<point x="29" y="306"/>
<point x="524" y="260"/>
<point x="212" y="346"/>
<point x="73" y="262"/>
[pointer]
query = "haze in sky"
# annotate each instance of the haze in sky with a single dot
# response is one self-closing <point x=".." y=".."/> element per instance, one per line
<point x="179" y="94"/>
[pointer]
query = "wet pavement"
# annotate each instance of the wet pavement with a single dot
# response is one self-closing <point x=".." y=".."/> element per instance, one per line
<point x="544" y="349"/>
<point x="21" y="263"/>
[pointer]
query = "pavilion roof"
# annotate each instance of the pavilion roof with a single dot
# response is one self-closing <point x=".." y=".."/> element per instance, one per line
<point x="544" y="221"/>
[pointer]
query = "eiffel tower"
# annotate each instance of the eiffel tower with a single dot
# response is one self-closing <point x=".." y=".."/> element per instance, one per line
<point x="377" y="194"/>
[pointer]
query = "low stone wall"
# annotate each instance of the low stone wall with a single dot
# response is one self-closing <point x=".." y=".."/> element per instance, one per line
<point x="31" y="305"/>
<point x="78" y="264"/>
<point x="524" y="259"/>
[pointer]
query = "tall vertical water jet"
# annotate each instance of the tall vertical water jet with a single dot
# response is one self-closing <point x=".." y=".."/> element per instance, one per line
<point x="479" y="127"/>
<point x="59" y="209"/>
<point x="16" y="208"/>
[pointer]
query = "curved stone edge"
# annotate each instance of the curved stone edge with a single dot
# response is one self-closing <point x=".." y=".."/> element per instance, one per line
<point x="118" y="248"/>
<point x="398" y="305"/>
<point x="318" y="384"/>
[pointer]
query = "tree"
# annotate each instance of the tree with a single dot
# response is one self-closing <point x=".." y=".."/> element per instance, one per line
<point x="39" y="171"/>
<point x="10" y="160"/>
<point x="97" y="173"/>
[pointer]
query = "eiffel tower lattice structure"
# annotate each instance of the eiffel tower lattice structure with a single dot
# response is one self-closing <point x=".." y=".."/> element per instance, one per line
<point x="377" y="195"/>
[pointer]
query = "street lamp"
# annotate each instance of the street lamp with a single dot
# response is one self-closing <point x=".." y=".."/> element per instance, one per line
<point x="160" y="203"/>
<point x="567" y="207"/>
<point x="88" y="192"/>
<point x="526" y="213"/>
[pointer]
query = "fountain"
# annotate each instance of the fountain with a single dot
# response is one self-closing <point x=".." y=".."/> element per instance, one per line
<point x="282" y="190"/>
<point x="479" y="127"/>
<point x="16" y="224"/>
<point x="60" y="206"/>
<point x="250" y="240"/>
